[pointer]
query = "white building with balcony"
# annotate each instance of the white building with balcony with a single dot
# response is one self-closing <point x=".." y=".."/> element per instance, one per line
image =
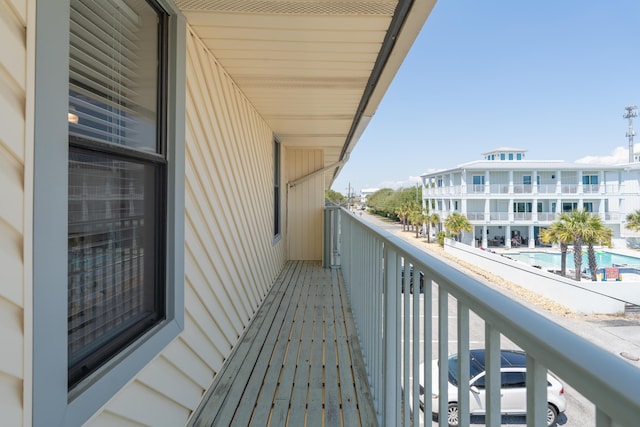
<point x="508" y="199"/>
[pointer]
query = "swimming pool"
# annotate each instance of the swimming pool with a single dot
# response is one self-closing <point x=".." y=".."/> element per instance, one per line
<point x="550" y="260"/>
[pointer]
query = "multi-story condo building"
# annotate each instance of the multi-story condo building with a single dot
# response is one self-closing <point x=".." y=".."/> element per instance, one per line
<point x="508" y="199"/>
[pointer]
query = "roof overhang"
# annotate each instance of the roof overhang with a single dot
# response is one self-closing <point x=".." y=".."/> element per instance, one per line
<point x="316" y="70"/>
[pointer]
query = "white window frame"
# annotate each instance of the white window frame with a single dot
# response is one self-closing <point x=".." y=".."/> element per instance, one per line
<point x="47" y="398"/>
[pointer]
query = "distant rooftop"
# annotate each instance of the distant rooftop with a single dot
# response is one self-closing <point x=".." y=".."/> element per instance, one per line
<point x="505" y="153"/>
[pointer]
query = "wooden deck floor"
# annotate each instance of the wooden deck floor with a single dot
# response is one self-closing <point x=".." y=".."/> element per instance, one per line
<point x="298" y="362"/>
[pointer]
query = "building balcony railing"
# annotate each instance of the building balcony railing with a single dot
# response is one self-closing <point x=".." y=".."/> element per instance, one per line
<point x="499" y="216"/>
<point x="476" y="216"/>
<point x="522" y="188"/>
<point x="547" y="216"/>
<point x="522" y="216"/>
<point x="494" y="189"/>
<point x="400" y="332"/>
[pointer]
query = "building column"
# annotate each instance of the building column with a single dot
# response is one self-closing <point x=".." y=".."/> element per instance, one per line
<point x="507" y="237"/>
<point x="532" y="239"/>
<point x="484" y="237"/>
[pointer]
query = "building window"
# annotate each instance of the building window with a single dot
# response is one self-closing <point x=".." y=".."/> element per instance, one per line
<point x="439" y="182"/>
<point x="588" y="206"/>
<point x="522" y="207"/>
<point x="590" y="179"/>
<point x="276" y="188"/>
<point x="526" y="180"/>
<point x="117" y="186"/>
<point x="478" y="180"/>
<point x="569" y="206"/>
<point x="108" y="199"/>
<point x="502" y="157"/>
<point x="519" y="156"/>
<point x="510" y="156"/>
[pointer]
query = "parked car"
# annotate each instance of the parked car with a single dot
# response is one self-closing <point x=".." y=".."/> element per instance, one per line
<point x="513" y="388"/>
<point x="411" y="280"/>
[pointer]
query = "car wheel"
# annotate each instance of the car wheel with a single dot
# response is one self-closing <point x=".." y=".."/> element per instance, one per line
<point x="452" y="415"/>
<point x="552" y="415"/>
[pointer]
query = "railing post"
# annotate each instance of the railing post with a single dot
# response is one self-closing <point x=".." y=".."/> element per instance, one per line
<point x="492" y="366"/>
<point x="390" y="394"/>
<point x="328" y="233"/>
<point x="536" y="393"/>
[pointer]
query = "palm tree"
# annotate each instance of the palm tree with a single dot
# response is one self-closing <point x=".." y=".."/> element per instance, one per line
<point x="456" y="223"/>
<point x="417" y="218"/>
<point x="577" y="223"/>
<point x="559" y="234"/>
<point x="594" y="234"/>
<point x="432" y="220"/>
<point x="633" y="221"/>
<point x="403" y="212"/>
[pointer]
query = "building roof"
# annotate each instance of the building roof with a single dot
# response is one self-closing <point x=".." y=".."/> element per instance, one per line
<point x="316" y="70"/>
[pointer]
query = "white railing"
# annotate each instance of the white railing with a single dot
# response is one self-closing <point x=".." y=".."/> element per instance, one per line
<point x="394" y="341"/>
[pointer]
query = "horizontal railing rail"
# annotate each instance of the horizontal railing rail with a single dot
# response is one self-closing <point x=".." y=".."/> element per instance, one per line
<point x="395" y="333"/>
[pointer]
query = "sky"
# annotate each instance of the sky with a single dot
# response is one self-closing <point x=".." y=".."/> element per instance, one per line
<point x="552" y="77"/>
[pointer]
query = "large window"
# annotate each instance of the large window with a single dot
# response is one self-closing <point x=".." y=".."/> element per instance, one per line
<point x="117" y="178"/>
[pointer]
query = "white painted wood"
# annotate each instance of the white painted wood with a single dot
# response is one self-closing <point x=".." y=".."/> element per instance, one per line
<point x="11" y="402"/>
<point x="134" y="403"/>
<point x="108" y="419"/>
<point x="189" y="363"/>
<point x="13" y="66"/>
<point x="305" y="204"/>
<point x="161" y="373"/>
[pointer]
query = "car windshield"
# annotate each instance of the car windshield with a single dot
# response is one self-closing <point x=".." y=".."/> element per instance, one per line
<point x="474" y="369"/>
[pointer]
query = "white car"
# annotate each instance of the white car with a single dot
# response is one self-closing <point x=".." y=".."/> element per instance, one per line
<point x="513" y="390"/>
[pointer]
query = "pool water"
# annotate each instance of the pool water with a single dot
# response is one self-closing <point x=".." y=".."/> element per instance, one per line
<point x="549" y="260"/>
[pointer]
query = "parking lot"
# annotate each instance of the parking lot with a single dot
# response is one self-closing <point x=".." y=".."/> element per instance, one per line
<point x="580" y="412"/>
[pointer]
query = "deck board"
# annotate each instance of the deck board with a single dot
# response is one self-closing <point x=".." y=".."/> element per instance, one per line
<point x="298" y="362"/>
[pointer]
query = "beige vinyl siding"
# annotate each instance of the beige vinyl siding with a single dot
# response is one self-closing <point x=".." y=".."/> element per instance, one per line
<point x="12" y="168"/>
<point x="230" y="258"/>
<point x="305" y="204"/>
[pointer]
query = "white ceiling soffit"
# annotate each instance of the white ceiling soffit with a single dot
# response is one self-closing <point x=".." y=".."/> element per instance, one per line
<point x="315" y="70"/>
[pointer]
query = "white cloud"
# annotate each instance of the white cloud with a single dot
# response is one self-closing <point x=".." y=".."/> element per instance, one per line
<point x="404" y="183"/>
<point x="618" y="155"/>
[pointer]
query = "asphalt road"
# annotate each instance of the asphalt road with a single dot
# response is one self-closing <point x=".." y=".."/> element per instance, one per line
<point x="621" y="336"/>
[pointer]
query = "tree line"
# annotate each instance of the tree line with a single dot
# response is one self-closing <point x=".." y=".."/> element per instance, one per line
<point x="579" y="228"/>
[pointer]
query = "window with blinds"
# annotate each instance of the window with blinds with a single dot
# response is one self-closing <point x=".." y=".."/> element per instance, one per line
<point x="117" y="179"/>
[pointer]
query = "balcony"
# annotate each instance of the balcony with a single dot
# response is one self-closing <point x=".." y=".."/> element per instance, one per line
<point x="300" y="358"/>
<point x="475" y="216"/>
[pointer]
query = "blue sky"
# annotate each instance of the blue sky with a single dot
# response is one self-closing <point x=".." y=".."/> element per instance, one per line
<point x="550" y="76"/>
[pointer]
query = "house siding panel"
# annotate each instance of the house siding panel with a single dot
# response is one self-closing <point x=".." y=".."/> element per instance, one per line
<point x="306" y="202"/>
<point x="12" y="148"/>
<point x="231" y="260"/>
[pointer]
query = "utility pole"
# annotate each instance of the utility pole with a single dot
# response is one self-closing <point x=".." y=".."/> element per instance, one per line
<point x="630" y="114"/>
